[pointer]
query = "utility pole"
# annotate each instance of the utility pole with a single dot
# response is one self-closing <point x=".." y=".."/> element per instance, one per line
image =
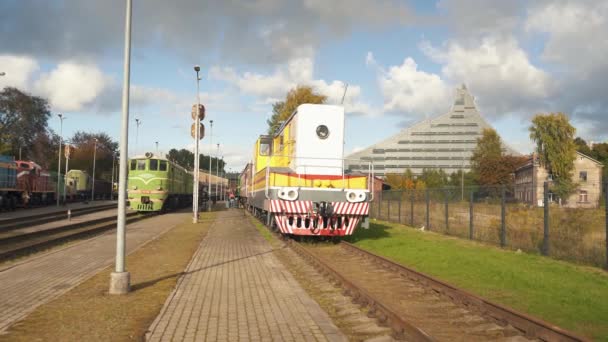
<point x="217" y="169"/>
<point x="210" y="152"/>
<point x="112" y="186"/>
<point x="197" y="137"/>
<point x="462" y="178"/>
<point x="137" y="122"/>
<point x="59" y="163"/>
<point x="65" y="176"/>
<point x="94" y="159"/>
<point x="120" y="279"/>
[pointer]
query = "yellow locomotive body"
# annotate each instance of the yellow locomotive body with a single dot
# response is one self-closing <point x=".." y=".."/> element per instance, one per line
<point x="297" y="177"/>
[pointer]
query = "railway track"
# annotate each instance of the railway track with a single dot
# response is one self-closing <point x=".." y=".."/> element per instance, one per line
<point x="419" y="307"/>
<point x="19" y="241"/>
<point x="20" y="222"/>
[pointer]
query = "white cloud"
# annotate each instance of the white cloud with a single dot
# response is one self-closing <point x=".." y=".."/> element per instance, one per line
<point x="407" y="89"/>
<point x="370" y="60"/>
<point x="270" y="88"/>
<point x="18" y="70"/>
<point x="71" y="85"/>
<point x="497" y="69"/>
<point x="577" y="33"/>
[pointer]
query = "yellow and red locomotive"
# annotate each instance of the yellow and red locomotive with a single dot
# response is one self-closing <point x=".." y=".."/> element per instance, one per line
<point x="297" y="179"/>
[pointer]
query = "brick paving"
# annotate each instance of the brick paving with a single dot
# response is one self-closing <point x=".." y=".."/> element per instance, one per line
<point x="41" y="278"/>
<point x="235" y="289"/>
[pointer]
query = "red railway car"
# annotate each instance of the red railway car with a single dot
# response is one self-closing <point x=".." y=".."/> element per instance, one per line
<point x="34" y="183"/>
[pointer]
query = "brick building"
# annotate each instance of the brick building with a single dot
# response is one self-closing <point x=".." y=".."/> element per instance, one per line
<point x="587" y="174"/>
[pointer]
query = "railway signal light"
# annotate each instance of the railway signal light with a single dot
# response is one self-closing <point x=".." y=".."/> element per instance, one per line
<point x="201" y="112"/>
<point x="68" y="150"/>
<point x="201" y="132"/>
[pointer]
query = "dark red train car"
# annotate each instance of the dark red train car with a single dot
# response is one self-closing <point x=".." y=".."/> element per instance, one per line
<point x="35" y="184"/>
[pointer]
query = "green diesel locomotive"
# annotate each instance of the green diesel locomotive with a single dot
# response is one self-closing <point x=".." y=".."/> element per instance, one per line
<point x="158" y="184"/>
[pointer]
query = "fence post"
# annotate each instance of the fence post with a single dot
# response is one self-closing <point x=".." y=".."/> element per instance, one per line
<point x="399" y="209"/>
<point x="503" y="231"/>
<point x="606" y="219"/>
<point x="471" y="216"/>
<point x="412" y="208"/>
<point x="428" y="203"/>
<point x="388" y="210"/>
<point x="545" y="250"/>
<point x="447" y="219"/>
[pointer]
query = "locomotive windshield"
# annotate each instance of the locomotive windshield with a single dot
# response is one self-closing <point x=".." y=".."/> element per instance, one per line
<point x="153" y="165"/>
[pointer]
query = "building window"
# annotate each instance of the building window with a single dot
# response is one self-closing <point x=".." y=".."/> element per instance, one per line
<point x="582" y="196"/>
<point x="582" y="176"/>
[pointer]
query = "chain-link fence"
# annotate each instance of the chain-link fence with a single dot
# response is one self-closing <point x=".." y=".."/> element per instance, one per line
<point x="496" y="216"/>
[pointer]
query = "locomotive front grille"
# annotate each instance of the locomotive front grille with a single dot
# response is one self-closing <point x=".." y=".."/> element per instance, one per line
<point x="145" y="206"/>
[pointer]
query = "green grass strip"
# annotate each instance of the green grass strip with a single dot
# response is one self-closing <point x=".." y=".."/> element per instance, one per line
<point x="571" y="296"/>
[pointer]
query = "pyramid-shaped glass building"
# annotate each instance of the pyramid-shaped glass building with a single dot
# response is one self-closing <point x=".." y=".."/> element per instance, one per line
<point x="445" y="142"/>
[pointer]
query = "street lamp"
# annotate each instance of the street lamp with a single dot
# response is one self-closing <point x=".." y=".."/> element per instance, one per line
<point x="137" y="122"/>
<point x="94" y="159"/>
<point x="217" y="167"/>
<point x="156" y="142"/>
<point x="195" y="173"/>
<point x="210" y="151"/>
<point x="120" y="278"/>
<point x="59" y="163"/>
<point x="112" y="187"/>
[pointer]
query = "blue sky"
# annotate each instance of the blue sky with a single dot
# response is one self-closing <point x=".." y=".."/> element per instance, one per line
<point x="401" y="60"/>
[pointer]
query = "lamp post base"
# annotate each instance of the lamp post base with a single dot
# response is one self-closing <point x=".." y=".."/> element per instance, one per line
<point x="120" y="283"/>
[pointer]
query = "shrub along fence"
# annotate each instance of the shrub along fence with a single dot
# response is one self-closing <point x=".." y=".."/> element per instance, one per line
<point x="493" y="215"/>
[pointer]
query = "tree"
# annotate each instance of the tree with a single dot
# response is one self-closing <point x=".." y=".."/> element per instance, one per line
<point x="85" y="149"/>
<point x="185" y="158"/>
<point x="490" y="166"/>
<point x="23" y="122"/>
<point x="403" y="181"/>
<point x="582" y="147"/>
<point x="554" y="138"/>
<point x="486" y="158"/>
<point x="295" y="97"/>
<point x="433" y="178"/>
<point x="600" y="153"/>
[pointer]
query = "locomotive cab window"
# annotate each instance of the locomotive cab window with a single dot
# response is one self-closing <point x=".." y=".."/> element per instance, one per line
<point x="265" y="147"/>
<point x="163" y="165"/>
<point x="141" y="164"/>
<point x="153" y="164"/>
<point x="133" y="164"/>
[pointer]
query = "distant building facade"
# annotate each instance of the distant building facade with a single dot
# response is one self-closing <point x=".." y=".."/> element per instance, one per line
<point x="446" y="142"/>
<point x="587" y="174"/>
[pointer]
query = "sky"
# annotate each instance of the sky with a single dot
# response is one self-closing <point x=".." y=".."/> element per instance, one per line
<point x="401" y="61"/>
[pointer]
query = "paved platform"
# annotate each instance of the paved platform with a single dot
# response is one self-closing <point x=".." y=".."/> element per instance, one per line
<point x="235" y="289"/>
<point x="19" y="213"/>
<point x="41" y="278"/>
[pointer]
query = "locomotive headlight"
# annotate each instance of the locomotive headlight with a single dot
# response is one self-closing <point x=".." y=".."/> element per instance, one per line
<point x="322" y="132"/>
<point x="354" y="196"/>
<point x="288" y="194"/>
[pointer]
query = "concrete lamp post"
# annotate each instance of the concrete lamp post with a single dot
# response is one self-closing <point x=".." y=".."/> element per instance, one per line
<point x="120" y="279"/>
<point x="59" y="162"/>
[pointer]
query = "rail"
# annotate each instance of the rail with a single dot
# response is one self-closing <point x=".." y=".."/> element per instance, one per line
<point x="532" y="326"/>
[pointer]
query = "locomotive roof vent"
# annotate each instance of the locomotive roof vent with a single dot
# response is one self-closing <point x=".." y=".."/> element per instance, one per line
<point x="149" y="155"/>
